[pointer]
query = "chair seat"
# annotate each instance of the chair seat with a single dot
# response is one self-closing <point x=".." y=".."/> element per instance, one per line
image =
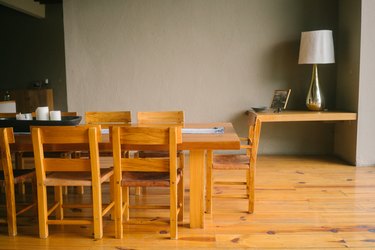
<point x="75" y="178"/>
<point x="233" y="161"/>
<point x="147" y="179"/>
<point x="19" y="175"/>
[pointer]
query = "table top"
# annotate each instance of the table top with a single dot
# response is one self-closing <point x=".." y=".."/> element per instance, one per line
<point x="300" y="116"/>
<point x="226" y="141"/>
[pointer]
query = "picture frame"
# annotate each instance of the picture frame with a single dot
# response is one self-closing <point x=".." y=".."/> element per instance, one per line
<point x="280" y="99"/>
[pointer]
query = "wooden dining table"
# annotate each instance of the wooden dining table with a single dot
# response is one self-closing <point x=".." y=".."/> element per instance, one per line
<point x="196" y="144"/>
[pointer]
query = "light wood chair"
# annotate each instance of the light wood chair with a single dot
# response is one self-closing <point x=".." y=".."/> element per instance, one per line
<point x="10" y="177"/>
<point x="21" y="157"/>
<point x="107" y="118"/>
<point x="147" y="172"/>
<point x="230" y="162"/>
<point x="58" y="172"/>
<point x="162" y="118"/>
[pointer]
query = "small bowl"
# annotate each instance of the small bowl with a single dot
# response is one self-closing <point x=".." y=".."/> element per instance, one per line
<point x="259" y="109"/>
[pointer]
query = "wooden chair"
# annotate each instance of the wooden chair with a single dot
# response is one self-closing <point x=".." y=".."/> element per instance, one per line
<point x="58" y="172"/>
<point x="229" y="162"/>
<point x="22" y="156"/>
<point x="147" y="172"/>
<point x="160" y="118"/>
<point x="10" y="177"/>
<point x="106" y="118"/>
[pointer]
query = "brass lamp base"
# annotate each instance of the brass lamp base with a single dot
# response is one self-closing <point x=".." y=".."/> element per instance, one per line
<point x="314" y="99"/>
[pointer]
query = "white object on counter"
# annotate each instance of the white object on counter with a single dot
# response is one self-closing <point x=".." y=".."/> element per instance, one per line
<point x="42" y="113"/>
<point x="55" y="115"/>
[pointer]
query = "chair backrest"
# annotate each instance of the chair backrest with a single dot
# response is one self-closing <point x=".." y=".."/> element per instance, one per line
<point x="76" y="138"/>
<point x="6" y="137"/>
<point x="136" y="138"/>
<point x="108" y="117"/>
<point x="161" y="117"/>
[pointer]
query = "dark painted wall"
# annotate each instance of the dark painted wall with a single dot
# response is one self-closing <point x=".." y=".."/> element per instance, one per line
<point x="32" y="49"/>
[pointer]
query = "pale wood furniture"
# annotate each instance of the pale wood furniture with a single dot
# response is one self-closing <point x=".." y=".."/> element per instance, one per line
<point x="234" y="161"/>
<point x="10" y="177"/>
<point x="161" y="117"/>
<point x="301" y="116"/>
<point x="106" y="118"/>
<point x="59" y="172"/>
<point x="147" y="172"/>
<point x="196" y="144"/>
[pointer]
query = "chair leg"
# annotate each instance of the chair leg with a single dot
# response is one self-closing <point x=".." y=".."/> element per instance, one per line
<point x="125" y="197"/>
<point x="138" y="191"/>
<point x="173" y="211"/>
<point x="112" y="213"/>
<point x="251" y="189"/>
<point x="59" y="199"/>
<point x="118" y="210"/>
<point x="11" y="209"/>
<point x="97" y="210"/>
<point x="42" y="210"/>
<point x="20" y="165"/>
<point x="209" y="187"/>
<point x="180" y="198"/>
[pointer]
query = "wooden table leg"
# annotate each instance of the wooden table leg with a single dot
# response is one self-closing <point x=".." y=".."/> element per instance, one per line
<point x="197" y="164"/>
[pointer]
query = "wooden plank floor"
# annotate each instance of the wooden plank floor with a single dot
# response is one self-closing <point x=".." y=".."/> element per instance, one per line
<point x="301" y="203"/>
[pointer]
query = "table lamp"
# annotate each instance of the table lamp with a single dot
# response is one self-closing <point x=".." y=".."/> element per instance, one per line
<point x="316" y="48"/>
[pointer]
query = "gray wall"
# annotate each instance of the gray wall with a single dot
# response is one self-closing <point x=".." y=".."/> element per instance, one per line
<point x="366" y="105"/>
<point x="213" y="59"/>
<point x="348" y="58"/>
<point x="32" y="49"/>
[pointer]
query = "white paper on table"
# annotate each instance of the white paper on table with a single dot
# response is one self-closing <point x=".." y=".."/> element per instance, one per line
<point x="214" y="130"/>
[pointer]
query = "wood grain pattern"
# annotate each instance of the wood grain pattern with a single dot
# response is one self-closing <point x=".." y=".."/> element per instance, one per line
<point x="302" y="203"/>
<point x="108" y="117"/>
<point x="299" y="116"/>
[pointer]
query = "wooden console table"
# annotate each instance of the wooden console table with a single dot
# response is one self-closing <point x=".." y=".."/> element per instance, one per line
<point x="300" y="116"/>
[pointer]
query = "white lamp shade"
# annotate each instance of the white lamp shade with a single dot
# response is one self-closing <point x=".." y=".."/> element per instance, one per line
<point x="316" y="47"/>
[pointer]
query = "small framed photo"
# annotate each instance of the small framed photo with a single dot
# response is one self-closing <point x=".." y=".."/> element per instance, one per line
<point x="280" y="99"/>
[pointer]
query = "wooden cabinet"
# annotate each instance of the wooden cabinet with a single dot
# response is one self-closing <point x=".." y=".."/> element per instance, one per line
<point x="27" y="100"/>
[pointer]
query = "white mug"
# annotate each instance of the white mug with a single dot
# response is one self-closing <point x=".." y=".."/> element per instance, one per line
<point x="42" y="113"/>
<point x="55" y="115"/>
<point x="28" y="116"/>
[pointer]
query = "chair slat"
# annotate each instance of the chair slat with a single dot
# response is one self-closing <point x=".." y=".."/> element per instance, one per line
<point x="165" y="117"/>
<point x="144" y="136"/>
<point x="60" y="164"/>
<point x="113" y="117"/>
<point x="65" y="135"/>
<point x="145" y="164"/>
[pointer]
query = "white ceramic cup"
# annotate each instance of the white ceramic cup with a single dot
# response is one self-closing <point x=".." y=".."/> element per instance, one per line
<point x="28" y="116"/>
<point x="42" y="113"/>
<point x="55" y="115"/>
